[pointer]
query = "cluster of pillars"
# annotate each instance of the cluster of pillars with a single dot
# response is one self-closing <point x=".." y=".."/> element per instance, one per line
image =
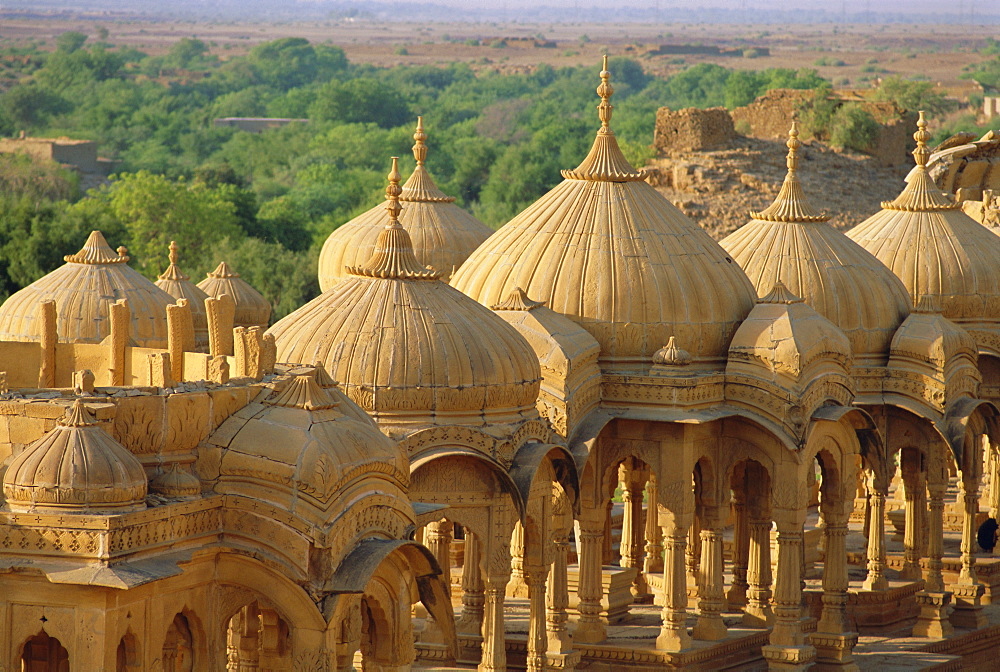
<point x="688" y="551"/>
<point x="483" y="594"/>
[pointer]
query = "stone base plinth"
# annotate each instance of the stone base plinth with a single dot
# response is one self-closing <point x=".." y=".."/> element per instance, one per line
<point x="562" y="661"/>
<point x="788" y="658"/>
<point x="932" y="622"/>
<point x="616" y="592"/>
<point x="834" y="651"/>
<point x="968" y="606"/>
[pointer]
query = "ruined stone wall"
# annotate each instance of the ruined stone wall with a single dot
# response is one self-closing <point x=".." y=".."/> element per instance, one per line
<point x="767" y="117"/>
<point x="692" y="129"/>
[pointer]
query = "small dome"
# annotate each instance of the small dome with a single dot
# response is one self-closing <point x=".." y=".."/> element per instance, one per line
<point x="83" y="289"/>
<point x="784" y="336"/>
<point x="606" y="250"/>
<point x="77" y="465"/>
<point x="928" y="337"/>
<point x="443" y="234"/>
<point x="179" y="286"/>
<point x="401" y="342"/>
<point x="252" y="309"/>
<point x="792" y="243"/>
<point x="933" y="247"/>
<point x="301" y="447"/>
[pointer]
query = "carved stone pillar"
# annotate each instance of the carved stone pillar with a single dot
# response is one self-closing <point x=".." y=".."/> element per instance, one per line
<point x="788" y="649"/>
<point x="589" y="628"/>
<point x="632" y="543"/>
<point x="913" y="487"/>
<point x="758" y="612"/>
<point x="653" y="563"/>
<point x="933" y="579"/>
<point x="535" y="576"/>
<point x="693" y="553"/>
<point x="711" y="598"/>
<point x="517" y="586"/>
<point x="737" y="595"/>
<point x="876" y="579"/>
<point x="494" y="644"/>
<point x="832" y="639"/>
<point x="473" y="600"/>
<point x="437" y="539"/>
<point x="673" y="631"/>
<point x="557" y="598"/>
<point x="967" y="590"/>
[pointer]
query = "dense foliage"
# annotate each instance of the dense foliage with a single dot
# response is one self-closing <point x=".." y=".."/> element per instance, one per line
<point x="267" y="201"/>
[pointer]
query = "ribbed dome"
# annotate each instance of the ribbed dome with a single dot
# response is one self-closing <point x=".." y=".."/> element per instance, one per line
<point x="83" y="289"/>
<point x="177" y="285"/>
<point x="300" y="444"/>
<point x="792" y="243"/>
<point x="935" y="248"/>
<point x="608" y="251"/>
<point x="77" y="465"/>
<point x="443" y="234"/>
<point x="252" y="309"/>
<point x="401" y="342"/>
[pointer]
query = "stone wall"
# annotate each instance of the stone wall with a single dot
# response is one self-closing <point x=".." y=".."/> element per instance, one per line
<point x="692" y="129"/>
<point x="767" y="117"/>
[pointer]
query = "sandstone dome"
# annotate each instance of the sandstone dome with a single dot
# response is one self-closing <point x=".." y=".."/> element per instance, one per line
<point x="933" y="247"/>
<point x="176" y="284"/>
<point x="301" y="448"/>
<point x="76" y="466"/>
<point x="252" y="309"/>
<point x="83" y="289"/>
<point x="443" y="234"/>
<point x="606" y="250"/>
<point x="404" y="344"/>
<point x="791" y="243"/>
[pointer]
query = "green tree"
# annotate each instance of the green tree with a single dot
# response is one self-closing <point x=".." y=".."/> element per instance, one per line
<point x="364" y="99"/>
<point x="70" y="41"/>
<point x="853" y="127"/>
<point x="912" y="96"/>
<point x="155" y="210"/>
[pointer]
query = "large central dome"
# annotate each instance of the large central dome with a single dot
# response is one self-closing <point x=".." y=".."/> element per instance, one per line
<point x="607" y="250"/>
<point x="408" y="347"/>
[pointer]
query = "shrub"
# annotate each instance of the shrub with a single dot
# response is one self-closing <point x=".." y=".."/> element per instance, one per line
<point x="853" y="127"/>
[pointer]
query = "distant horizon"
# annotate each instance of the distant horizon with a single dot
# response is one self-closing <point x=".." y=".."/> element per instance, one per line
<point x="791" y="12"/>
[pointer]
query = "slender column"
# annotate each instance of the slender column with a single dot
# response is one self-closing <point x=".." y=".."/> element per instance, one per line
<point x="832" y="639"/>
<point x="535" y="576"/>
<point x="711" y="597"/>
<point x="654" y="533"/>
<point x="737" y="595"/>
<point x="933" y="578"/>
<point x="607" y="548"/>
<point x="517" y="584"/>
<point x="876" y="579"/>
<point x="437" y="539"/>
<point x="557" y="599"/>
<point x="968" y="591"/>
<point x="967" y="574"/>
<point x="758" y="611"/>
<point x="693" y="553"/>
<point x="994" y="473"/>
<point x="632" y="546"/>
<point x="471" y="620"/>
<point x="787" y="649"/>
<point x="494" y="644"/>
<point x="912" y="486"/>
<point x="589" y="628"/>
<point x="673" y="631"/>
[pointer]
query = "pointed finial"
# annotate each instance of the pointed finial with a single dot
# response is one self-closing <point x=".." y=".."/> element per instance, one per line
<point x="793" y="144"/>
<point x="604" y="91"/>
<point x="78" y="416"/>
<point x="392" y="193"/>
<point x="921" y="153"/>
<point x="419" y="148"/>
<point x="173" y="252"/>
